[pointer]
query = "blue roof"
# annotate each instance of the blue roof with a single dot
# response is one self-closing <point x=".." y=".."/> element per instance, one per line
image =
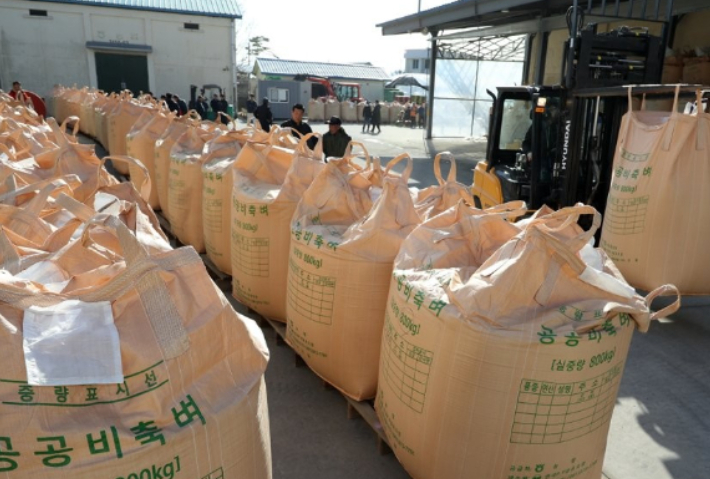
<point x="204" y="8"/>
<point x="355" y="71"/>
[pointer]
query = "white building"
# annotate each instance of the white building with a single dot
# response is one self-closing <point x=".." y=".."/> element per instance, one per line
<point x="144" y="45"/>
<point x="416" y="61"/>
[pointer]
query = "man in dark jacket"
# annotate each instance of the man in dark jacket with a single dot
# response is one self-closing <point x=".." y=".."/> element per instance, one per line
<point x="376" y="117"/>
<point x="224" y="108"/>
<point x="172" y="104"/>
<point x="336" y="141"/>
<point x="297" y="125"/>
<point x="264" y="115"/>
<point x="251" y="108"/>
<point x="202" y="107"/>
<point x="366" y="117"/>
<point x="182" y="106"/>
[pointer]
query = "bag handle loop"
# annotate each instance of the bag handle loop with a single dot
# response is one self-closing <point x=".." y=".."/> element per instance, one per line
<point x="407" y="170"/>
<point x="437" y="168"/>
<point x="143" y="184"/>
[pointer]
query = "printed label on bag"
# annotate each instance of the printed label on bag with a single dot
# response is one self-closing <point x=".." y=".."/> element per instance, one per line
<point x="71" y="343"/>
<point x="555" y="412"/>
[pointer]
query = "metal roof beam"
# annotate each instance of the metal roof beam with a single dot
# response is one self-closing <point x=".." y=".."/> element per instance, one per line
<point x="520" y="28"/>
<point x="452" y="13"/>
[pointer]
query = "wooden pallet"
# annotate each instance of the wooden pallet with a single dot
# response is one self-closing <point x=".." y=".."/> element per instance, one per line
<point x="355" y="409"/>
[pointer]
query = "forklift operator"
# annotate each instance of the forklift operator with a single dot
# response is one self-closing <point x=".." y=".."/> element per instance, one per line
<point x="548" y="140"/>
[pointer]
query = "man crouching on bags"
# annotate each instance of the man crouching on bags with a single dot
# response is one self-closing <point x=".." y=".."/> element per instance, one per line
<point x="336" y="141"/>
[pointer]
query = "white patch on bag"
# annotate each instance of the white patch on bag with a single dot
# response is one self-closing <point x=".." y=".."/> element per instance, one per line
<point x="71" y="343"/>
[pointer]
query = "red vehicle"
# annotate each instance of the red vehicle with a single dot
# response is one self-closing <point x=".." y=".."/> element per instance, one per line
<point x="341" y="91"/>
<point x="37" y="103"/>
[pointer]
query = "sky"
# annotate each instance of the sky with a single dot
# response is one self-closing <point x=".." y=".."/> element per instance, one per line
<point x="332" y="30"/>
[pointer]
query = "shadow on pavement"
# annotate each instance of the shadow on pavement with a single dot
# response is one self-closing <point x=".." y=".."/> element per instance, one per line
<point x="660" y="428"/>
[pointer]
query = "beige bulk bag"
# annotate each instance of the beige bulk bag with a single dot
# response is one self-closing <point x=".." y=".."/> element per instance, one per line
<point x="661" y="168"/>
<point x="342" y="249"/>
<point x="66" y="158"/>
<point x="361" y="111"/>
<point x="185" y="184"/>
<point x="184" y="402"/>
<point x="348" y="111"/>
<point x="219" y="156"/>
<point x="269" y="182"/>
<point x="140" y="144"/>
<point x="175" y="129"/>
<point x="316" y="110"/>
<point x="438" y="198"/>
<point x="395" y="110"/>
<point x="59" y="110"/>
<point x="120" y="123"/>
<point x="384" y="113"/>
<point x="512" y="365"/>
<point x="101" y="114"/>
<point x="73" y="102"/>
<point x="85" y="108"/>
<point x="332" y="108"/>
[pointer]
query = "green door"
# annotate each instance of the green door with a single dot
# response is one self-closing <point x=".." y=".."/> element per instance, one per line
<point x="116" y="72"/>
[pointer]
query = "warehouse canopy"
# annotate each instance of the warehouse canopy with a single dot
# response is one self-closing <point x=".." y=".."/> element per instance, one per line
<point x="513" y="17"/>
<point x="204" y="8"/>
<point x="274" y="66"/>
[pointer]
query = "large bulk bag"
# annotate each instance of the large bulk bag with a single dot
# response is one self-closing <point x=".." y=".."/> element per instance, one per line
<point x="659" y="200"/>
<point x="185" y="184"/>
<point x="74" y="99"/>
<point x="120" y="122"/>
<point x="101" y="117"/>
<point x="316" y="110"/>
<point x="440" y="197"/>
<point x="140" y="144"/>
<point x="396" y="109"/>
<point x="59" y="107"/>
<point x="361" y="111"/>
<point x="183" y="403"/>
<point x="269" y="181"/>
<point x="66" y="158"/>
<point x="163" y="145"/>
<point x="509" y="365"/>
<point x="384" y="113"/>
<point x="348" y="111"/>
<point x="342" y="249"/>
<point x="332" y="108"/>
<point x="219" y="156"/>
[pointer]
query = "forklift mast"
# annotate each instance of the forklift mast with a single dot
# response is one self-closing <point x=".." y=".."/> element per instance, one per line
<point x="597" y="60"/>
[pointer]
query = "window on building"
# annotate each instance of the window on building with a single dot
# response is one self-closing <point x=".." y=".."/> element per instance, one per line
<point x="38" y="13"/>
<point x="426" y="64"/>
<point x="278" y="95"/>
<point x="415" y="64"/>
<point x="192" y="26"/>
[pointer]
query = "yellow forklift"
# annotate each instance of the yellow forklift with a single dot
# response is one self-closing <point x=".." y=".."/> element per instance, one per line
<point x="555" y="145"/>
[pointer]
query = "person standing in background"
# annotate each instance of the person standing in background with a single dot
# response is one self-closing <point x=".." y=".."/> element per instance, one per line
<point x="376" y="117"/>
<point x="202" y="107"/>
<point x="422" y="115"/>
<point x="182" y="106"/>
<point x="224" y="108"/>
<point x="335" y="141"/>
<point x="264" y="115"/>
<point x="18" y="93"/>
<point x="297" y="124"/>
<point x="172" y="104"/>
<point x="366" y="117"/>
<point x="251" y="108"/>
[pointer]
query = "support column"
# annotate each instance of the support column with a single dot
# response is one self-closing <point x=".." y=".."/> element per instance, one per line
<point x="432" y="85"/>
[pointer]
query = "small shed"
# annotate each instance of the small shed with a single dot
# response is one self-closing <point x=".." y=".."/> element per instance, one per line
<point x="284" y="82"/>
